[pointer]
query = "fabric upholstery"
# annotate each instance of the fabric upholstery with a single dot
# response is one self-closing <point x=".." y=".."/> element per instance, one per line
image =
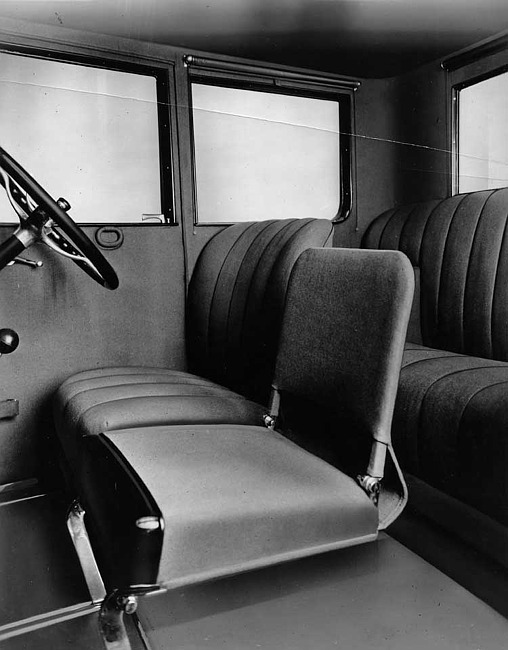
<point x="118" y="398"/>
<point x="343" y="333"/>
<point x="450" y="426"/>
<point x="341" y="345"/>
<point x="231" y="498"/>
<point x="451" y="414"/>
<point x="236" y="296"/>
<point x="460" y="245"/>
<point x="236" y="299"/>
<point x="236" y="498"/>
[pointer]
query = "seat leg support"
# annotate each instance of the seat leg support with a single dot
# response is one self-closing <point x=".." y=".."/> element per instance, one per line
<point x="79" y="536"/>
<point x="371" y="480"/>
<point x="115" y="604"/>
<point x="111" y="623"/>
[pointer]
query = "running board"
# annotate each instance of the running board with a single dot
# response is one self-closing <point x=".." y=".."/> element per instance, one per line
<point x="39" y="621"/>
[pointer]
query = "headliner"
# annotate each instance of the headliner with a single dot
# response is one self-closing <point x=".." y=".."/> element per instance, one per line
<point x="366" y="38"/>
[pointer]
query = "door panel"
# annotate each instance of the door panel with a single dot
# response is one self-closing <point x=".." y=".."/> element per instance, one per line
<point x="66" y="322"/>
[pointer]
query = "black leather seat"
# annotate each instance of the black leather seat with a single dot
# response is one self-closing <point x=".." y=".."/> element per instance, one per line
<point x="172" y="505"/>
<point x="235" y="301"/>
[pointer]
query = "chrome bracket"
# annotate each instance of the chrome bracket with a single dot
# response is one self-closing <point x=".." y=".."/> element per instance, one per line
<point x="111" y="624"/>
<point x="371" y="485"/>
<point x="21" y="260"/>
<point x="269" y="422"/>
<point x="79" y="536"/>
<point x="115" y="604"/>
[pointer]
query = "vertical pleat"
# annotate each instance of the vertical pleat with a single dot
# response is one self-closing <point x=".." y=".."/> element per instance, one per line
<point x="236" y="296"/>
<point x="456" y="260"/>
<point x="431" y="263"/>
<point x="390" y="237"/>
<point x="461" y="246"/>
<point x="481" y="278"/>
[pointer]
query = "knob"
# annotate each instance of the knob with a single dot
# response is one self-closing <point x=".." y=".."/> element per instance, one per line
<point x="64" y="204"/>
<point x="9" y="341"/>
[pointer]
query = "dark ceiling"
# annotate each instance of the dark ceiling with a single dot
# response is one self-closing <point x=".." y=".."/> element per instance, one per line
<point x="366" y="38"/>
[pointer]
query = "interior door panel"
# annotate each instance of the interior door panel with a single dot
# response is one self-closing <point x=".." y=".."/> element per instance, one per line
<point x="66" y="322"/>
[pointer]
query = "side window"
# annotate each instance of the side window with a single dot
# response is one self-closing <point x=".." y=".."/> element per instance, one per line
<point x="89" y="134"/>
<point x="267" y="155"/>
<point x="482" y="138"/>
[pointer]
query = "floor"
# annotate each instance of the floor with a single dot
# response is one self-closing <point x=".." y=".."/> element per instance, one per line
<point x="381" y="595"/>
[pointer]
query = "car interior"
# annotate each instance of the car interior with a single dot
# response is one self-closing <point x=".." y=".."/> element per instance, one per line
<point x="253" y="332"/>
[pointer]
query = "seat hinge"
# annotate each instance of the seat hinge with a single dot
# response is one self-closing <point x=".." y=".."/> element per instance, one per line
<point x="269" y="421"/>
<point x="371" y="485"/>
<point x="270" y="418"/>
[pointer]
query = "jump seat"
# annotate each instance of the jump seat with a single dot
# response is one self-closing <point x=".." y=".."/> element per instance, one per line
<point x="174" y="505"/>
<point x="450" y="424"/>
<point x="234" y="309"/>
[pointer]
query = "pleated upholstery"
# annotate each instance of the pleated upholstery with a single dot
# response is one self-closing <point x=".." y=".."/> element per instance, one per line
<point x="460" y="245"/>
<point x="450" y="426"/>
<point x="451" y="415"/>
<point x="108" y="399"/>
<point x="235" y="303"/>
<point x="236" y="298"/>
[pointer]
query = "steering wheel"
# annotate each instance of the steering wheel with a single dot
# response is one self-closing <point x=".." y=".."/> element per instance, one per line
<point x="39" y="217"/>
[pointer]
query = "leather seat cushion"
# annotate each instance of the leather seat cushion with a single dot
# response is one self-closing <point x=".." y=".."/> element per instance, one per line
<point x="449" y="426"/>
<point x="236" y="498"/>
<point x="107" y="399"/>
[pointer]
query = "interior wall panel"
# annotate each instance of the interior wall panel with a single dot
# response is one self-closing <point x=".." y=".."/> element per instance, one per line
<point x="67" y="322"/>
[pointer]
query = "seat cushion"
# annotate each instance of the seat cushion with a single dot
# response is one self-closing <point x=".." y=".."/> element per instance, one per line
<point x="449" y="426"/>
<point x="106" y="399"/>
<point x="235" y="498"/>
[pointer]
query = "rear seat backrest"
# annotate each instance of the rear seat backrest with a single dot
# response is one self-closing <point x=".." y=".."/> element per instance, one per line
<point x="236" y="297"/>
<point x="460" y="245"/>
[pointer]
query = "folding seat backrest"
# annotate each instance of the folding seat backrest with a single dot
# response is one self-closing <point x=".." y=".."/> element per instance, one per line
<point x="236" y="297"/>
<point x="342" y="341"/>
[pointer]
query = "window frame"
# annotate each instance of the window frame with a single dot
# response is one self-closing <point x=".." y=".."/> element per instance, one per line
<point x="162" y="82"/>
<point x="466" y="69"/>
<point x="255" y="78"/>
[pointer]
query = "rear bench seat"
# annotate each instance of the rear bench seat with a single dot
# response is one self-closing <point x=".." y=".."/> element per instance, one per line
<point x="450" y="425"/>
<point x="235" y="302"/>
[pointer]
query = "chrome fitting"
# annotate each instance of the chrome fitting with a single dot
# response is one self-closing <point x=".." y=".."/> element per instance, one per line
<point x="371" y="485"/>
<point x="269" y="422"/>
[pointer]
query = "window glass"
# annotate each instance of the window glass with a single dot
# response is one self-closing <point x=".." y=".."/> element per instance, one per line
<point x="483" y="135"/>
<point x="262" y="155"/>
<point x="87" y="134"/>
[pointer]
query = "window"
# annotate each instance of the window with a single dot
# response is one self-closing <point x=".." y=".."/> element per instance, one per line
<point x="483" y="134"/>
<point x="268" y="155"/>
<point x="86" y="133"/>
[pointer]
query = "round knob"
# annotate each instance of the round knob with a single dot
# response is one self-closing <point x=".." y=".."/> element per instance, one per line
<point x="64" y="204"/>
<point x="9" y="341"/>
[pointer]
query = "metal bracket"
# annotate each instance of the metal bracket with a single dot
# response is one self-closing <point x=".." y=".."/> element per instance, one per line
<point x="269" y="422"/>
<point x="81" y="541"/>
<point x="35" y="264"/>
<point x="371" y="485"/>
<point x="111" y="624"/>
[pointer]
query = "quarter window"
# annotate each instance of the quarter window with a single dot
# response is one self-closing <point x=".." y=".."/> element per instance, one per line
<point x="483" y="134"/>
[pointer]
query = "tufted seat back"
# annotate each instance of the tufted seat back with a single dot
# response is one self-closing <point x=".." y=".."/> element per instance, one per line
<point x="460" y="245"/>
<point x="236" y="298"/>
